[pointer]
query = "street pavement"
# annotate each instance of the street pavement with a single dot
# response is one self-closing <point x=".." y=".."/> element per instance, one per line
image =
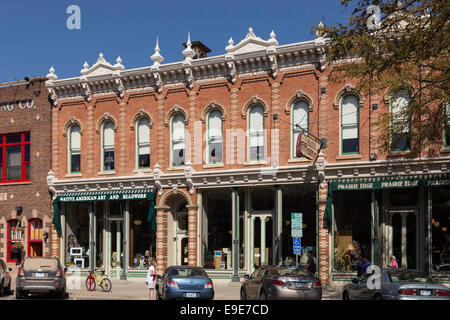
<point x="136" y="290"/>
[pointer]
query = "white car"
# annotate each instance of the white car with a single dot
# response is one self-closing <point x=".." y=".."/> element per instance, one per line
<point x="5" y="279"/>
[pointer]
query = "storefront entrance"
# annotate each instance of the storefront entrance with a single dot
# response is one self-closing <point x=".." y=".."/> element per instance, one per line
<point x="181" y="238"/>
<point x="261" y="240"/>
<point x="402" y="238"/>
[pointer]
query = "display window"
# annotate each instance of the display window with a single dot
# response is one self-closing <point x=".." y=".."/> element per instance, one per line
<point x="299" y="199"/>
<point x="15" y="157"/>
<point x="77" y="234"/>
<point x="440" y="232"/>
<point x="15" y="237"/>
<point x="217" y="240"/>
<point x="352" y="229"/>
<point x="142" y="234"/>
<point x="35" y="238"/>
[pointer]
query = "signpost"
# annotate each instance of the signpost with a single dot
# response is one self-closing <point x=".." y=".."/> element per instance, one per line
<point x="296" y="233"/>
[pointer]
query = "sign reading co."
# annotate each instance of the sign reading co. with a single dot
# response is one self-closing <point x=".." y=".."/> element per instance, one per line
<point x="24" y="104"/>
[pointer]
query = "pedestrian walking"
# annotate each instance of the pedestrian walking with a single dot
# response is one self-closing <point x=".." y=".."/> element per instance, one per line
<point x="311" y="264"/>
<point x="363" y="265"/>
<point x="151" y="278"/>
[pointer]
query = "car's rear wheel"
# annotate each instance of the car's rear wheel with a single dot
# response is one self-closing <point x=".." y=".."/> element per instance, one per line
<point x="243" y="295"/>
<point x="345" y="296"/>
<point x="377" y="296"/>
<point x="106" y="285"/>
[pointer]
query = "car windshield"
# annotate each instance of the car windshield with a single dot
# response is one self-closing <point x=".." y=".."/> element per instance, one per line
<point x="46" y="264"/>
<point x="187" y="272"/>
<point x="290" y="272"/>
<point x="409" y="276"/>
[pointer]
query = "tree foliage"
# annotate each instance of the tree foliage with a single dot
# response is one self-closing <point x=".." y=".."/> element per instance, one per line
<point x="408" y="49"/>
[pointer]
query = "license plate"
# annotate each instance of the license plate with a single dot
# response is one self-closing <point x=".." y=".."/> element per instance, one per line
<point x="39" y="274"/>
<point x="299" y="285"/>
<point x="425" y="292"/>
<point x="190" y="295"/>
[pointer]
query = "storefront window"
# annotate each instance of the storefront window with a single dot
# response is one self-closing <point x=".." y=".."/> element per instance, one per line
<point x="352" y="231"/>
<point x="15" y="238"/>
<point x="217" y="242"/>
<point x="77" y="234"/>
<point x="440" y="232"/>
<point x="263" y="199"/>
<point x="35" y="238"/>
<point x="142" y="234"/>
<point x="301" y="199"/>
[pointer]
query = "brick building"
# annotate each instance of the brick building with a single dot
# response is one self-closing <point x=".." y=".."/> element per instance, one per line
<point x="208" y="144"/>
<point x="25" y="155"/>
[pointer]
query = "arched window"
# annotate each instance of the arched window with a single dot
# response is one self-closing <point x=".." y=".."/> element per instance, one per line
<point x="256" y="133"/>
<point x="108" y="146"/>
<point x="74" y="149"/>
<point x="15" y="236"/>
<point x="35" y="238"/>
<point x="143" y="143"/>
<point x="401" y="139"/>
<point x="178" y="140"/>
<point x="300" y="122"/>
<point x="349" y="124"/>
<point x="215" y="137"/>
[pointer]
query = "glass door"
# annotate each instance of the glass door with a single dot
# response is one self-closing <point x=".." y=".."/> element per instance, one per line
<point x="401" y="237"/>
<point x="182" y="238"/>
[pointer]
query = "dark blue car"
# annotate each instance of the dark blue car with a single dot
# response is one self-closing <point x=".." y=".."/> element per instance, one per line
<point x="184" y="282"/>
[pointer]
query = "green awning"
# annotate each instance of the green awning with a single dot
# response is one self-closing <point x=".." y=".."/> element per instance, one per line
<point x="135" y="194"/>
<point x="373" y="183"/>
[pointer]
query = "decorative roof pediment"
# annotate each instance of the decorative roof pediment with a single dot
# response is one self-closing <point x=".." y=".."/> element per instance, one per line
<point x="102" y="67"/>
<point x="251" y="43"/>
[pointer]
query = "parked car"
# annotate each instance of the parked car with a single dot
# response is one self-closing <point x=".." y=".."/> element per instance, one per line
<point x="396" y="284"/>
<point x="184" y="282"/>
<point x="281" y="282"/>
<point x="40" y="275"/>
<point x="5" y="278"/>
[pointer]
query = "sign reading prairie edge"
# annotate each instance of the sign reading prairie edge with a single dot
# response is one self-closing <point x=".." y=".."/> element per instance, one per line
<point x="306" y="146"/>
<point x="405" y="183"/>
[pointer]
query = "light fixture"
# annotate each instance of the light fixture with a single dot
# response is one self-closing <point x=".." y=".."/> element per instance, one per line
<point x="275" y="116"/>
<point x="323" y="90"/>
<point x="138" y="222"/>
<point x="19" y="210"/>
<point x="444" y="229"/>
<point x="45" y="236"/>
<point x="373" y="156"/>
<point x="374" y="106"/>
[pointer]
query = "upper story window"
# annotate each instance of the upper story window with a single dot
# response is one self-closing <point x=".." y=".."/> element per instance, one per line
<point x="178" y="140"/>
<point x="108" y="146"/>
<point x="256" y="133"/>
<point x="15" y="157"/>
<point x="401" y="139"/>
<point x="215" y="137"/>
<point x="300" y="122"/>
<point x="75" y="149"/>
<point x="447" y="125"/>
<point x="349" y="124"/>
<point x="143" y="143"/>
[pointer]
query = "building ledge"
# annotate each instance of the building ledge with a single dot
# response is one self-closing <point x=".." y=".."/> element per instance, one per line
<point x="217" y="165"/>
<point x="73" y="175"/>
<point x="140" y="171"/>
<point x="175" y="168"/>
<point x="106" y="173"/>
<point x="349" y="157"/>
<point x="14" y="183"/>
<point x="255" y="163"/>
<point x="298" y="160"/>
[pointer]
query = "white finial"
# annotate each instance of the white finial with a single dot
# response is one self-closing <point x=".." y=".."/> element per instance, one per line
<point x="52" y="75"/>
<point x="157" y="57"/>
<point x="231" y="42"/>
<point x="250" y="29"/>
<point x="189" y="39"/>
<point x="272" y="35"/>
<point x="188" y="53"/>
<point x="119" y="60"/>
<point x="100" y="55"/>
<point x="85" y="65"/>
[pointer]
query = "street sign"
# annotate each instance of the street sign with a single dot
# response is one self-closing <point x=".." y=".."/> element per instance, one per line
<point x="297" y="245"/>
<point x="296" y="225"/>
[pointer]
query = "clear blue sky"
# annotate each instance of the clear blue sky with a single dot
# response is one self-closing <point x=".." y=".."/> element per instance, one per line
<point x="34" y="35"/>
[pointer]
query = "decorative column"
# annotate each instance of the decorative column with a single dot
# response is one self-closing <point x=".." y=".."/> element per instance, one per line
<point x="404" y="260"/>
<point x="263" y="241"/>
<point x="192" y="235"/>
<point x="126" y="238"/>
<point x="91" y="237"/>
<point x="118" y="247"/>
<point x="277" y="227"/>
<point x="161" y="238"/>
<point x="235" y="234"/>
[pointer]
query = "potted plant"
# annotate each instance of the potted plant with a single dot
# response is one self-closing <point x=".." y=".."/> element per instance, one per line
<point x="17" y="246"/>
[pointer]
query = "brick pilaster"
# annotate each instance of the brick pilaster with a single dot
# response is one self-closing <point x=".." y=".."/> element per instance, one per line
<point x="324" y="245"/>
<point x="192" y="235"/>
<point x="161" y="238"/>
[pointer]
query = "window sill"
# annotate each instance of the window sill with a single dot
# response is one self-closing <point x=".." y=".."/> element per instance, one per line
<point x="398" y="153"/>
<point x="349" y="157"/>
<point x="14" y="183"/>
<point x="139" y="171"/>
<point x="106" y="173"/>
<point x="175" y="168"/>
<point x="299" y="160"/>
<point x="255" y="163"/>
<point x="217" y="165"/>
<point x="73" y="175"/>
